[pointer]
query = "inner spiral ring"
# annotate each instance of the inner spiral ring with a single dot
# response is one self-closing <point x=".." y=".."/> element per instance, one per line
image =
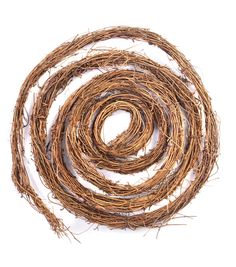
<point x="155" y="97"/>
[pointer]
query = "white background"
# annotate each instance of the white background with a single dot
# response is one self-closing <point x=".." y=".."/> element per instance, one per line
<point x="205" y="32"/>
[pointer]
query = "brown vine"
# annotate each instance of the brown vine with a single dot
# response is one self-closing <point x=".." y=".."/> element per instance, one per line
<point x="154" y="95"/>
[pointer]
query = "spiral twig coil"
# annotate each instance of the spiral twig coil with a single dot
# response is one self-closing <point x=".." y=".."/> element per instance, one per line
<point x="155" y="96"/>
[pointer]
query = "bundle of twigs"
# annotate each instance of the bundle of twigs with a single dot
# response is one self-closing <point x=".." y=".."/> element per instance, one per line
<point x="155" y="96"/>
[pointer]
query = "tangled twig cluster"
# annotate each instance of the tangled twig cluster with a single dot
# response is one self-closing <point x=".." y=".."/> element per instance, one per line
<point x="155" y="96"/>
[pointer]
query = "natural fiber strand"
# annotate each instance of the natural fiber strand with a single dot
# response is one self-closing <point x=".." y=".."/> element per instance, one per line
<point x="154" y="95"/>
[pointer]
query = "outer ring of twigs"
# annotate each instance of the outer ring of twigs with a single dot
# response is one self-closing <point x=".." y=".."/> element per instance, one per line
<point x="155" y="97"/>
